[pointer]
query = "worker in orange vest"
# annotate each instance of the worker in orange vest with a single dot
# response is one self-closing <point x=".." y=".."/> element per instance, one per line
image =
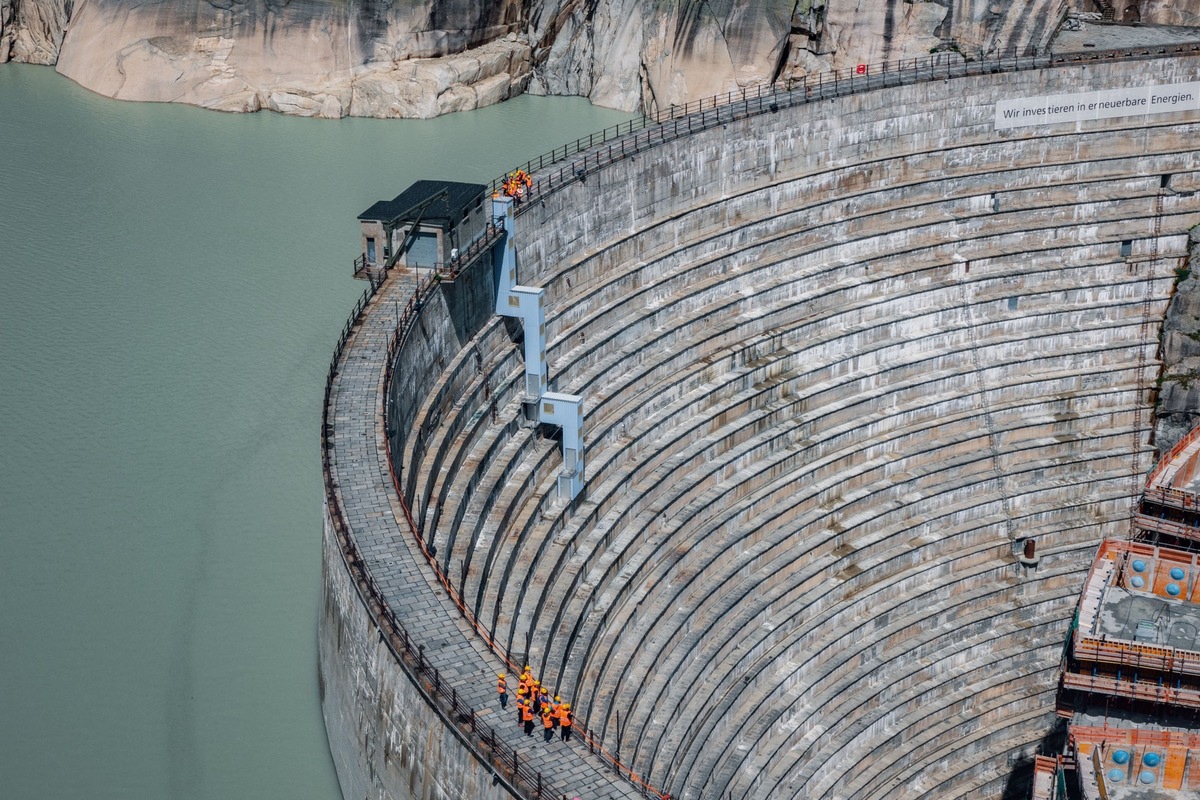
<point x="521" y="700"/>
<point x="527" y="717"/>
<point x="502" y="689"/>
<point x="565" y="720"/>
<point x="548" y="723"/>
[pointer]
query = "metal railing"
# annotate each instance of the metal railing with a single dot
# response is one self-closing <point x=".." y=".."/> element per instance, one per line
<point x="404" y="324"/>
<point x="518" y="777"/>
<point x="598" y="150"/>
<point x="630" y="138"/>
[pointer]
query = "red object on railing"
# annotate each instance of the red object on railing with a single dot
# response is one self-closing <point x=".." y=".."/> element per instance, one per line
<point x="861" y="69"/>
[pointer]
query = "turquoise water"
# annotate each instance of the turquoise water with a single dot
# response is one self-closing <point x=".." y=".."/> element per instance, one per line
<point x="173" y="282"/>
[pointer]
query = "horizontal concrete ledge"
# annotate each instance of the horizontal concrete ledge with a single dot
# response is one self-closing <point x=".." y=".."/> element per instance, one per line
<point x="836" y="361"/>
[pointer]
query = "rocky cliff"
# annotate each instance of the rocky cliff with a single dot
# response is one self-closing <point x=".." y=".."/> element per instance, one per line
<point x="1179" y="383"/>
<point x="421" y="58"/>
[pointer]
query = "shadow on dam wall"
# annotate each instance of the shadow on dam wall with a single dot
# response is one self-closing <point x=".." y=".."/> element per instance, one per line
<point x="836" y="361"/>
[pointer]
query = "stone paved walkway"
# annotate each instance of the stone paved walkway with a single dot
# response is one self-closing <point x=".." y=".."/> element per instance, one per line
<point x="375" y="518"/>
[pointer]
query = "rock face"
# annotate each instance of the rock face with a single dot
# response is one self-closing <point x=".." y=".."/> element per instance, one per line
<point x="1179" y="386"/>
<point x="32" y="30"/>
<point x="301" y="57"/>
<point x="421" y="58"/>
<point x="1160" y="12"/>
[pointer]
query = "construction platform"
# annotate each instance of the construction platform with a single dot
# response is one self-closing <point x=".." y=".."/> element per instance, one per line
<point x="1121" y="763"/>
<point x="1137" y="633"/>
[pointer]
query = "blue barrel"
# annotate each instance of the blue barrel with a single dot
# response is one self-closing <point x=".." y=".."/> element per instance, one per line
<point x="1121" y="756"/>
<point x="1173" y="589"/>
<point x="1152" y="759"/>
<point x="1138" y="582"/>
<point x="1116" y="775"/>
<point x="1139" y="566"/>
<point x="1177" y="573"/>
<point x="1147" y="776"/>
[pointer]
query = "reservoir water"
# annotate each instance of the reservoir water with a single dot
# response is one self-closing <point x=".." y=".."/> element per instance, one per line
<point x="172" y="282"/>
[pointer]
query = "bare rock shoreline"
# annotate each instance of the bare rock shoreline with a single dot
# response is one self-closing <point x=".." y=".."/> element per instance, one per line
<point x="422" y="58"/>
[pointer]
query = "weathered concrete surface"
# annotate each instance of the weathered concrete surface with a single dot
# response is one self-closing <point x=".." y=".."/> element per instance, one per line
<point x="386" y="738"/>
<point x="837" y="361"/>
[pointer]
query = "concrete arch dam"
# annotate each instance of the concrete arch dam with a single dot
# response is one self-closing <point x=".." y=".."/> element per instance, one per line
<point x="837" y="363"/>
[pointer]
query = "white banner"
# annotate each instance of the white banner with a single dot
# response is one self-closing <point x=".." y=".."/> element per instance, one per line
<point x="1097" y="105"/>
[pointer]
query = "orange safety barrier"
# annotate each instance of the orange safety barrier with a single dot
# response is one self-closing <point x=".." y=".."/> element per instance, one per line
<point x="1163" y="463"/>
<point x="1176" y="498"/>
<point x="1173" y="768"/>
<point x="1150" y="692"/>
<point x="1045" y="770"/>
<point x="1177" y="746"/>
<point x="1139" y="737"/>
<point x="1115" y="557"/>
<point x="1145" y="522"/>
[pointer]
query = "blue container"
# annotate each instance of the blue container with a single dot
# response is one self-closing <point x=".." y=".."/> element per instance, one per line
<point x="1121" y="756"/>
<point x="1116" y="775"/>
<point x="1177" y="573"/>
<point x="1139" y="566"/>
<point x="1173" y="589"/>
<point x="1152" y="759"/>
<point x="1147" y="776"/>
<point x="1137" y="582"/>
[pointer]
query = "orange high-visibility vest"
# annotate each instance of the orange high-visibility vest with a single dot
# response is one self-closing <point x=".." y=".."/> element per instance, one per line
<point x="501" y="686"/>
<point x="547" y="720"/>
<point x="564" y="717"/>
<point x="526" y="713"/>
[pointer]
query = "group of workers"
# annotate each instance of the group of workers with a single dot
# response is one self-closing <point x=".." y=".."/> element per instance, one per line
<point x="534" y="700"/>
<point x="516" y="184"/>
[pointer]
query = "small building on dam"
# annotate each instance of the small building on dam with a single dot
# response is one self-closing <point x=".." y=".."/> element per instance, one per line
<point x="776" y="435"/>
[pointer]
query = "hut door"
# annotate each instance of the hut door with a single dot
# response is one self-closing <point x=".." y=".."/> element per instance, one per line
<point x="423" y="252"/>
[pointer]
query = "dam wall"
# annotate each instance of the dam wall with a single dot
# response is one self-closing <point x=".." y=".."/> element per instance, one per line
<point x="838" y="363"/>
<point x="383" y="729"/>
